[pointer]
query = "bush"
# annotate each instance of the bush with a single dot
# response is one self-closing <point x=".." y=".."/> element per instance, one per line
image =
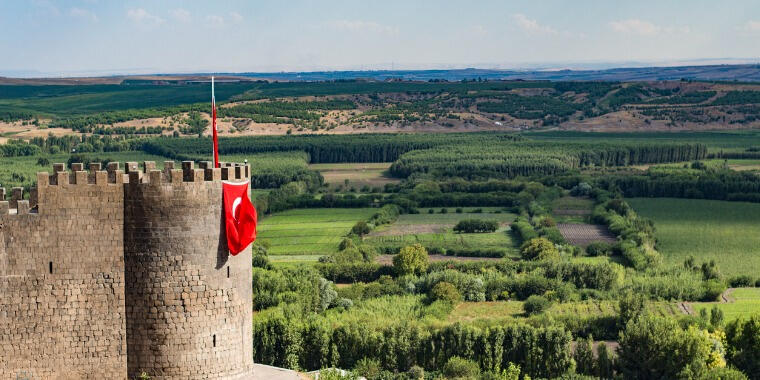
<point x="712" y="290"/>
<point x="723" y="374"/>
<point x="535" y="305"/>
<point x="523" y="229"/>
<point x="386" y="215"/>
<point x="461" y="369"/>
<point x="476" y="226"/>
<point x="346" y="243"/>
<point x="368" y="252"/>
<point x="581" y="189"/>
<point x="416" y="373"/>
<point x="539" y="249"/>
<point x="743" y="281"/>
<point x="411" y="259"/>
<point x="553" y="234"/>
<point x="361" y="228"/>
<point x="444" y="291"/>
<point x="599" y="248"/>
<point x="261" y="261"/>
<point x="470" y="252"/>
<point x="369" y="368"/>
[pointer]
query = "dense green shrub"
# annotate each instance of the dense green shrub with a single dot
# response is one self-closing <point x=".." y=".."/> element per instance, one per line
<point x="360" y="228"/>
<point x="412" y="259"/>
<point x="536" y="304"/>
<point x="443" y="291"/>
<point x="457" y="368"/>
<point x="476" y="226"/>
<point x="475" y="252"/>
<point x="599" y="248"/>
<point x="523" y="229"/>
<point x="741" y="281"/>
<point x="539" y="249"/>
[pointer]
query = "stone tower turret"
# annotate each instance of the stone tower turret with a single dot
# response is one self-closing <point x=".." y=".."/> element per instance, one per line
<point x="106" y="274"/>
<point x="189" y="304"/>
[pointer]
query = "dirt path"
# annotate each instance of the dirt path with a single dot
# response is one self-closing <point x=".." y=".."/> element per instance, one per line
<point x="686" y="308"/>
<point x="725" y="297"/>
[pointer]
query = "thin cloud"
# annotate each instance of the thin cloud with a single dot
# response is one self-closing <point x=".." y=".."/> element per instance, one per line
<point x="181" y="15"/>
<point x="214" y="20"/>
<point x="83" y="14"/>
<point x="532" y="26"/>
<point x="752" y="26"/>
<point x="362" y="26"/>
<point x="645" y="28"/>
<point x="478" y="30"/>
<point x="47" y="7"/>
<point x="142" y="17"/>
<point x="236" y="17"/>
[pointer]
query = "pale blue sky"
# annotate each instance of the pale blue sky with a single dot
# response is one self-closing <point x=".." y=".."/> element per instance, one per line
<point x="99" y="36"/>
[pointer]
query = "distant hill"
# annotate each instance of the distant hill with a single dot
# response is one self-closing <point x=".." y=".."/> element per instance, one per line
<point x="741" y="73"/>
<point x="727" y="72"/>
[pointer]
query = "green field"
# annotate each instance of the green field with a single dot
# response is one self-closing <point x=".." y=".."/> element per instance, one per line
<point x="716" y="141"/>
<point x="746" y="301"/>
<point x="727" y="232"/>
<point x="452" y="217"/>
<point x="308" y="231"/>
<point x="358" y="175"/>
<point x="504" y="310"/>
<point x="435" y="230"/>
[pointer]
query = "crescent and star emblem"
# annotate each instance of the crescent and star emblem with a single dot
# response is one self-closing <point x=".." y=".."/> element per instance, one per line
<point x="235" y="205"/>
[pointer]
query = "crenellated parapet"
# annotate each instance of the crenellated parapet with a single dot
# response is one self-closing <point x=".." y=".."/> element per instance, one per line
<point x="16" y="202"/>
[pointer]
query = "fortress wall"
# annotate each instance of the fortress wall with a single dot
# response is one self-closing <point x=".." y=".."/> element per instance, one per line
<point x="62" y="295"/>
<point x="189" y="306"/>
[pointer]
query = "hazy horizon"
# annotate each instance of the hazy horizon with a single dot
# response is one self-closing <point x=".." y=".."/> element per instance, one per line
<point x="91" y="37"/>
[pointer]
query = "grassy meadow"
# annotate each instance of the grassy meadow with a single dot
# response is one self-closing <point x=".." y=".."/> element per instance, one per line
<point x="308" y="231"/>
<point x="358" y="175"/>
<point x="727" y="232"/>
<point x="745" y="302"/>
<point x="436" y="230"/>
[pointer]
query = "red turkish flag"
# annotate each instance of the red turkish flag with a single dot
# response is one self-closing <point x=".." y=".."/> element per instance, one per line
<point x="240" y="216"/>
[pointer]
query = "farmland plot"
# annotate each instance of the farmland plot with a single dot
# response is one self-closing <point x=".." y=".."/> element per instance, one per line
<point x="742" y="302"/>
<point x="727" y="232"/>
<point x="357" y="174"/>
<point x="308" y="231"/>
<point x="585" y="234"/>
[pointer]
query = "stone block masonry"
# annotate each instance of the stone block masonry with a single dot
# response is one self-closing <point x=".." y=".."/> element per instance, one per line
<point x="106" y="274"/>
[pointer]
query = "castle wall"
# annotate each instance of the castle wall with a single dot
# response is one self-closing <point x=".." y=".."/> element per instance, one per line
<point x="188" y="304"/>
<point x="62" y="297"/>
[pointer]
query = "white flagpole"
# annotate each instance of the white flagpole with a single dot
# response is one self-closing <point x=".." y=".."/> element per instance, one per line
<point x="213" y="126"/>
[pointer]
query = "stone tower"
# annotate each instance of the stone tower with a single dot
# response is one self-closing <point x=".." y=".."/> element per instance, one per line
<point x="107" y="274"/>
<point x="189" y="305"/>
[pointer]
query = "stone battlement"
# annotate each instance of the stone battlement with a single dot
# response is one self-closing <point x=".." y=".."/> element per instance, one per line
<point x="109" y="272"/>
<point x="15" y="204"/>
